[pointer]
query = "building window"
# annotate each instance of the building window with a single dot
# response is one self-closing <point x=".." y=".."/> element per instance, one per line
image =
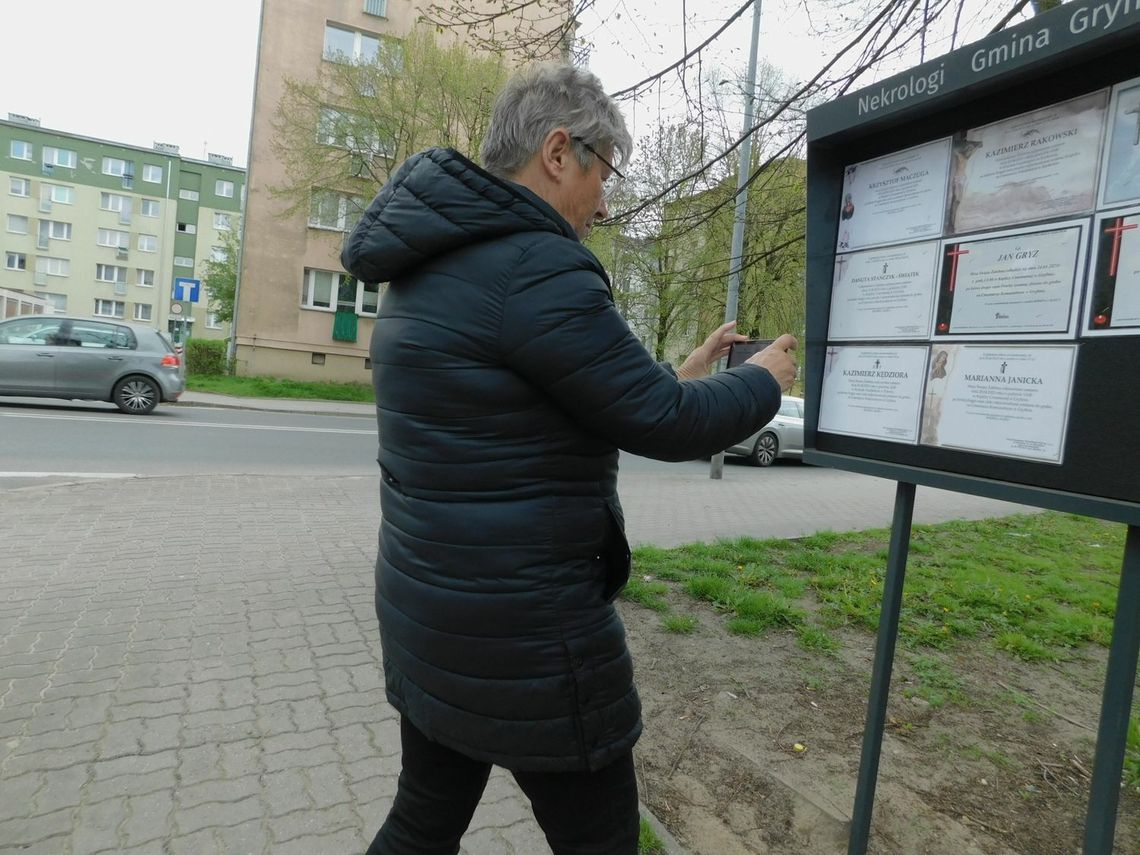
<point x="352" y="46"/>
<point x="113" y="237"/>
<point x="148" y="243"/>
<point x="53" y="266"/>
<point x="183" y="261"/>
<point x="150" y="207"/>
<point x="142" y="311"/>
<point x="222" y="222"/>
<point x="212" y="321"/>
<point x="55" y="229"/>
<point x="59" y="193"/>
<point x="145" y="278"/>
<point x="110" y="273"/>
<point x="379" y="8"/>
<point x="17" y="224"/>
<point x="322" y="289"/>
<point x="191" y="195"/>
<point x="224" y="188"/>
<point x="58" y="302"/>
<point x="331" y="210"/>
<point x="188" y="228"/>
<point x="60" y="157"/>
<point x="109" y="308"/>
<point x="218" y="253"/>
<point x="114" y="202"/>
<point x="152" y="173"/>
<point x="352" y="131"/>
<point x="116" y="166"/>
<point x="20" y="187"/>
<point x="367" y="298"/>
<point x="20" y="150"/>
<point x="15" y="261"/>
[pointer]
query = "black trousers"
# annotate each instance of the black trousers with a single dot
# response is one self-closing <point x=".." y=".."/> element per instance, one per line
<point x="581" y="813"/>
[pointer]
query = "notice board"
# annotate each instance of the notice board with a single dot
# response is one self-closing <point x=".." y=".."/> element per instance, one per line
<point x="973" y="271"/>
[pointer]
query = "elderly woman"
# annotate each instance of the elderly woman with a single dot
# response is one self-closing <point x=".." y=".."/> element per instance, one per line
<point x="506" y="382"/>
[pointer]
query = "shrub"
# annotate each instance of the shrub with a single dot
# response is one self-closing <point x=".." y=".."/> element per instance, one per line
<point x="205" y="357"/>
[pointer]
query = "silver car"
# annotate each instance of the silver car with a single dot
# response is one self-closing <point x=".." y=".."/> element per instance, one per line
<point x="781" y="437"/>
<point x="55" y="356"/>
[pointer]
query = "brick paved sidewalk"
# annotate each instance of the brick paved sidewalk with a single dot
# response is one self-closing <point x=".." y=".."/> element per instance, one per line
<point x="191" y="665"/>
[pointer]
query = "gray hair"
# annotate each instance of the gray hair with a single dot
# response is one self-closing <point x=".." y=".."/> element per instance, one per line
<point x="544" y="97"/>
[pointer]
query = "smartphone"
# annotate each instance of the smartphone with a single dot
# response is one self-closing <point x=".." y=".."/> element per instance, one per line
<point x="741" y="350"/>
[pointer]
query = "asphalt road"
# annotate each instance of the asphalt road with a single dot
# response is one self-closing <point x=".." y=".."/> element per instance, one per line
<point x="95" y="440"/>
<point x="43" y="443"/>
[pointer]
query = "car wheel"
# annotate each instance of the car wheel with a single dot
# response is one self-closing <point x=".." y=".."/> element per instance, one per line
<point x="765" y="450"/>
<point x="136" y="395"/>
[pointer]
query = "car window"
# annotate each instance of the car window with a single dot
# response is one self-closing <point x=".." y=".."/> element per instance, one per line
<point x="95" y="334"/>
<point x="34" y="330"/>
<point x="790" y="408"/>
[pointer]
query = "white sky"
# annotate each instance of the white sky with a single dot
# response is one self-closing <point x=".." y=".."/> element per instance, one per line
<point x="133" y="71"/>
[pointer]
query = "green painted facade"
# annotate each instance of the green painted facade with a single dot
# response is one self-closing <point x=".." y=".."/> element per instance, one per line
<point x="73" y="273"/>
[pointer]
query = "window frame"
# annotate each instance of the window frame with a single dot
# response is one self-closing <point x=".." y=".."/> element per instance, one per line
<point x="27" y="183"/>
<point x="70" y="162"/>
<point x="31" y="150"/>
<point x="120" y="304"/>
<point x="149" y="169"/>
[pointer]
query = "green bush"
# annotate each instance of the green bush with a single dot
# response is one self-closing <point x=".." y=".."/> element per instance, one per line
<point x="206" y="357"/>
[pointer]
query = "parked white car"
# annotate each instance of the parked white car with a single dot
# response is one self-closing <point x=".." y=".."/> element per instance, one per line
<point x="781" y="437"/>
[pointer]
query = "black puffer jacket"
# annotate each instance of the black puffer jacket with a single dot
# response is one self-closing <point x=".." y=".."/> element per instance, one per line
<point x="506" y="382"/>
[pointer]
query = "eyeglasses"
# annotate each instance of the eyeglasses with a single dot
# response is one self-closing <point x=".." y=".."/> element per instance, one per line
<point x="613" y="169"/>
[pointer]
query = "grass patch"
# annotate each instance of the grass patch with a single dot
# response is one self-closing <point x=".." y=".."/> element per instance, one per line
<point x="1036" y="587"/>
<point x="272" y="387"/>
<point x="1132" y="757"/>
<point x="648" y="843"/>
<point x="649" y="594"/>
<point x="934" y="682"/>
<point x="680" y="624"/>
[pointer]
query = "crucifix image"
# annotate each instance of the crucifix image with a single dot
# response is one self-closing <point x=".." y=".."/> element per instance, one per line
<point x="1135" y="111"/>
<point x="841" y="265"/>
<point x="954" y="253"/>
<point x="1117" y="231"/>
<point x="831" y="354"/>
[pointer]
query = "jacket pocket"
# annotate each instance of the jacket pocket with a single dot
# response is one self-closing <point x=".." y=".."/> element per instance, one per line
<point x="615" y="554"/>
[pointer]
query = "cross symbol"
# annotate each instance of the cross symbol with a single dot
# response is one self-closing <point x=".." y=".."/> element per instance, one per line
<point x="877" y="364"/>
<point x="1004" y="365"/>
<point x="1117" y="232"/>
<point x="954" y="253"/>
<point x="841" y="263"/>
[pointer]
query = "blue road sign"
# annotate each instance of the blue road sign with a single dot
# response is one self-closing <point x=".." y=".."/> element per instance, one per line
<point x="186" y="289"/>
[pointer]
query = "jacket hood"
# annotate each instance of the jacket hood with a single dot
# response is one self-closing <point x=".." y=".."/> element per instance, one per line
<point x="436" y="202"/>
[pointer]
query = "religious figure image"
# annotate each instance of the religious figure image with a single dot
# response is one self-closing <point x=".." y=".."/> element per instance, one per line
<point x="1120" y="183"/>
<point x="932" y="399"/>
<point x="848" y="210"/>
<point x="1035" y="166"/>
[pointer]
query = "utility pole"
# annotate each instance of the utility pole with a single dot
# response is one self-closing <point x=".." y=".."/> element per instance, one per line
<point x="716" y="468"/>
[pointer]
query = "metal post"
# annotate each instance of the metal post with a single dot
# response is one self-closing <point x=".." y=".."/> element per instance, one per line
<point x="1116" y="704"/>
<point x="716" y="469"/>
<point x="881" y="674"/>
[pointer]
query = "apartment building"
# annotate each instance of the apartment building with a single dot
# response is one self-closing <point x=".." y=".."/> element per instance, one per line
<point x="104" y="229"/>
<point x="299" y="315"/>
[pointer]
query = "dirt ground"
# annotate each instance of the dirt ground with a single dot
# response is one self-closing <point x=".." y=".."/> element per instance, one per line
<point x="752" y="745"/>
